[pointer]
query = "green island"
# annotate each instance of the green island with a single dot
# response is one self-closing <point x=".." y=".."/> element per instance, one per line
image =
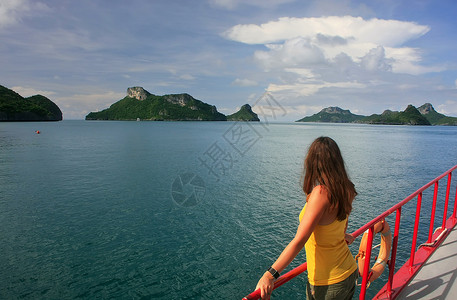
<point x="139" y="104"/>
<point x="14" y="107"/>
<point x="244" y="114"/>
<point x="424" y="115"/>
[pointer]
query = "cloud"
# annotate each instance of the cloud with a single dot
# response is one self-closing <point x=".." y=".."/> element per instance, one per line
<point x="12" y="11"/>
<point x="448" y="108"/>
<point x="375" y="60"/>
<point x="377" y="31"/>
<point x="27" y="91"/>
<point x="356" y="63"/>
<point x="302" y="72"/>
<point x="77" y="106"/>
<point x="303" y="41"/>
<point x="187" y="77"/>
<point x="330" y="40"/>
<point x="293" y="53"/>
<point x="232" y="4"/>
<point x="244" y="82"/>
<point x="307" y="89"/>
<point x="291" y="112"/>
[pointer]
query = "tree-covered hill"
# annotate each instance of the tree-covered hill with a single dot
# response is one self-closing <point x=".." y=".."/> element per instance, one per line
<point x="14" y="107"/>
<point x="140" y="104"/>
<point x="434" y="117"/>
<point x="244" y="114"/>
<point x="410" y="116"/>
<point x="332" y="115"/>
<point x="424" y="115"/>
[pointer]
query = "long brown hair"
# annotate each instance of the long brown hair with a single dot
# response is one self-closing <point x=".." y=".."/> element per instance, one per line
<point x="324" y="165"/>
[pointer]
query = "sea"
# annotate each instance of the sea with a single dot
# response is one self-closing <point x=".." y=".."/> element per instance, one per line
<point x="187" y="210"/>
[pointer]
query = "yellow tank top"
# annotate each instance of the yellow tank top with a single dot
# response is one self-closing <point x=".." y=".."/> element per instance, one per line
<point x="329" y="258"/>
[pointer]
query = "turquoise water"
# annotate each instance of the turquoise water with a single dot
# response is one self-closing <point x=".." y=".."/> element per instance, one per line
<point x="183" y="210"/>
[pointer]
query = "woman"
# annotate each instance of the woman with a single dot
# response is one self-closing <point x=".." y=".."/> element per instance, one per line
<point x="332" y="270"/>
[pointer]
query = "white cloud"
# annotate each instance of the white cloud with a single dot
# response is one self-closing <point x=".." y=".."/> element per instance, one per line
<point x="77" y="106"/>
<point x="28" y="91"/>
<point x="293" y="42"/>
<point x="12" y="11"/>
<point x="448" y="108"/>
<point x="340" y="60"/>
<point x="295" y="52"/>
<point x="409" y="67"/>
<point x="227" y="110"/>
<point x="376" y="31"/>
<point x="187" y="77"/>
<point x="308" y="89"/>
<point x="375" y="60"/>
<point x="290" y="112"/>
<point x="407" y="60"/>
<point x="407" y="86"/>
<point x="232" y="4"/>
<point x="299" y="111"/>
<point x="244" y="82"/>
<point x="302" y="72"/>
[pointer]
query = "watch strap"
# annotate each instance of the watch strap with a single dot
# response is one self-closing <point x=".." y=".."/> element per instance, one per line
<point x="273" y="272"/>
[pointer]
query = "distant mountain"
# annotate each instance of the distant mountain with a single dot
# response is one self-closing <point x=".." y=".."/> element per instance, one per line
<point x="434" y="117"/>
<point x="14" y="107"/>
<point x="332" y="115"/>
<point x="140" y="104"/>
<point x="410" y="116"/>
<point x="424" y="115"/>
<point x="244" y="114"/>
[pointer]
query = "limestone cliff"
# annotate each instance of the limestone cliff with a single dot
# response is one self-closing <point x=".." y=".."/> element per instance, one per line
<point x="434" y="117"/>
<point x="138" y="93"/>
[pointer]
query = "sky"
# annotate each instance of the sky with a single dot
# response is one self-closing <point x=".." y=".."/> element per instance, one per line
<point x="365" y="56"/>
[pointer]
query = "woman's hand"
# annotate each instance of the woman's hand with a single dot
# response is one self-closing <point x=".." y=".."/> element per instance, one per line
<point x="349" y="238"/>
<point x="265" y="284"/>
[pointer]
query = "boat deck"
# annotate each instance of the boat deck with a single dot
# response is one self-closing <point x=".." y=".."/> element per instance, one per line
<point x="437" y="278"/>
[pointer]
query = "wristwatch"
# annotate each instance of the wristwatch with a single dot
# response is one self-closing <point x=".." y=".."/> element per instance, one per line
<point x="273" y="272"/>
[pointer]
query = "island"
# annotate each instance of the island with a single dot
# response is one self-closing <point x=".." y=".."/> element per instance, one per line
<point x="434" y="117"/>
<point x="14" y="107"/>
<point x="139" y="104"/>
<point x="333" y="114"/>
<point x="424" y="115"/>
<point x="244" y="114"/>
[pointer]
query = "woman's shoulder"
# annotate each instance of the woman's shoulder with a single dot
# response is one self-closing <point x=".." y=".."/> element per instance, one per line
<point x="320" y="189"/>
<point x="319" y="192"/>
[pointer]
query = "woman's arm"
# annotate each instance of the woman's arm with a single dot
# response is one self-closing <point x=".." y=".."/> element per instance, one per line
<point x="348" y="237"/>
<point x="315" y="208"/>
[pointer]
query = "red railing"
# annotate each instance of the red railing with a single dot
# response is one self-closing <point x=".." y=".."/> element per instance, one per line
<point x="396" y="282"/>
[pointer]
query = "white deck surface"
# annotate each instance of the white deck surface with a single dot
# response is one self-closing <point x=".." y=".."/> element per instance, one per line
<point x="437" y="278"/>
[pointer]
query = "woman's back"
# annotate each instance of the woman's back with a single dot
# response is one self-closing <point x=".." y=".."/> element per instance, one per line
<point x="328" y="256"/>
<point x="332" y="270"/>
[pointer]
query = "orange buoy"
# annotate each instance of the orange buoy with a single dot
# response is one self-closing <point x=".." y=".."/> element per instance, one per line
<point x="384" y="252"/>
<point x="37" y="131"/>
